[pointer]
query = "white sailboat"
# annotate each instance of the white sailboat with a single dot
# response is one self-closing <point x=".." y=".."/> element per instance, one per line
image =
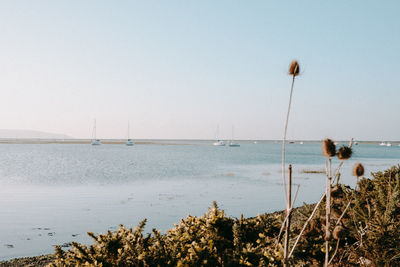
<point x="95" y="141"/>
<point x="129" y="142"/>
<point x="232" y="143"/>
<point x="388" y="144"/>
<point x="382" y="144"/>
<point x="218" y="142"/>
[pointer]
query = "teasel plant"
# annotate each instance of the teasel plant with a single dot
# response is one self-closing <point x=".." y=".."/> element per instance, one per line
<point x="328" y="150"/>
<point x="294" y="71"/>
<point x="358" y="171"/>
<point x="345" y="153"/>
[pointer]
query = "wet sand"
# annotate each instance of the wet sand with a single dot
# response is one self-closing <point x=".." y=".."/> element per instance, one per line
<point x="28" y="262"/>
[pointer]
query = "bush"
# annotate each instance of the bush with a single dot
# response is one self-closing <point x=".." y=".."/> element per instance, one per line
<point x="366" y="234"/>
<point x="210" y="240"/>
<point x="376" y="216"/>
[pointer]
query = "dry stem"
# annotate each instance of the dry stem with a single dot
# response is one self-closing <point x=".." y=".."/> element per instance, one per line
<point x="305" y="225"/>
<point x="334" y="254"/>
<point x="284" y="221"/>
<point x="341" y="216"/>
<point x="283" y="145"/>
<point x="288" y="212"/>
<point x="328" y="210"/>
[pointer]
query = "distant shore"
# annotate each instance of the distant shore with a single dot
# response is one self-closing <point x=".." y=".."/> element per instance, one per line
<point x="84" y="141"/>
<point x="164" y="141"/>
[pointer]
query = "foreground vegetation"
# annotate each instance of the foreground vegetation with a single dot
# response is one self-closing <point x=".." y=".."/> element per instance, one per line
<point x="364" y="231"/>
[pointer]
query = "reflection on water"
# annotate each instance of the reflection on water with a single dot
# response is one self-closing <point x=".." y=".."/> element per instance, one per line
<point x="54" y="194"/>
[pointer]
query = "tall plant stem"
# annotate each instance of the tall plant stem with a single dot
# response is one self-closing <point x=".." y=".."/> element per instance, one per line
<point x="328" y="210"/>
<point x="288" y="213"/>
<point x="284" y="221"/>
<point x="283" y="146"/>
<point x="334" y="254"/>
<point x="305" y="224"/>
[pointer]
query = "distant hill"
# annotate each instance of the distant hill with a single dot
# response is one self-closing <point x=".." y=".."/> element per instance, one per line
<point x="30" y="134"/>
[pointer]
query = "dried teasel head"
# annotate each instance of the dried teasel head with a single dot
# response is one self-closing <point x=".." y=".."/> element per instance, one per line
<point x="338" y="232"/>
<point x="344" y="152"/>
<point x="358" y="170"/>
<point x="294" y="68"/>
<point x="328" y="148"/>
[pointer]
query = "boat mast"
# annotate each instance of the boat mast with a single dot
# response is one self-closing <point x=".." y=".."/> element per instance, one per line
<point x="94" y="130"/>
<point x="217" y="132"/>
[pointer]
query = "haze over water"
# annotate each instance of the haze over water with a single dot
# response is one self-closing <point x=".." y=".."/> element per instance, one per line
<point x="53" y="194"/>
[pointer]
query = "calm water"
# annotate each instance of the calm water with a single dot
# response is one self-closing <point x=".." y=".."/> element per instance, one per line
<point x="53" y="194"/>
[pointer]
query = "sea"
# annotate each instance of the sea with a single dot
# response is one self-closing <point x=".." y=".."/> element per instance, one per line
<point x="53" y="194"/>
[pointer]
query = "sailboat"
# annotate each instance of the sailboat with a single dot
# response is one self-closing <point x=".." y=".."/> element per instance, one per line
<point x="218" y="142"/>
<point x="129" y="142"/>
<point x="232" y="143"/>
<point x="95" y="141"/>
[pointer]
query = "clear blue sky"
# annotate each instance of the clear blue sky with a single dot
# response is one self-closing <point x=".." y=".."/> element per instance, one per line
<point x="176" y="69"/>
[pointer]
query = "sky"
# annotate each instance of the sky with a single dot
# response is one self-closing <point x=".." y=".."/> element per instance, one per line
<point x="177" y="69"/>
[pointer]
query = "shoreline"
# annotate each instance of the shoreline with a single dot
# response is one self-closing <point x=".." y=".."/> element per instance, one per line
<point x="44" y="260"/>
<point x="81" y="142"/>
<point x="41" y="260"/>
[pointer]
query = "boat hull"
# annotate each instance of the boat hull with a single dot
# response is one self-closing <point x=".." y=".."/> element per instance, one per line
<point x="219" y="143"/>
<point x="234" y="145"/>
<point x="96" y="142"/>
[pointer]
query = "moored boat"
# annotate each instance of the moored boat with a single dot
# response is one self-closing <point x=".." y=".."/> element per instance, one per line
<point x="95" y="141"/>
<point x="129" y="142"/>
<point x="232" y="143"/>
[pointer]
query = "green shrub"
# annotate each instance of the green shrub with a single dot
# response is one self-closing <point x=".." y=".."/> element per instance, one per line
<point x="376" y="216"/>
<point x="369" y="230"/>
<point x="211" y="240"/>
<point x="367" y="234"/>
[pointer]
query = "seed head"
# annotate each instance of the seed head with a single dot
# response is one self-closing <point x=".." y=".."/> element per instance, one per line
<point x="344" y="153"/>
<point x="294" y="68"/>
<point x="358" y="170"/>
<point x="328" y="148"/>
<point x="338" y="232"/>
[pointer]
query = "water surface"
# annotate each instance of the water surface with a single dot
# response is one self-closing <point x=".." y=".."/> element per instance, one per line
<point x="54" y="193"/>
